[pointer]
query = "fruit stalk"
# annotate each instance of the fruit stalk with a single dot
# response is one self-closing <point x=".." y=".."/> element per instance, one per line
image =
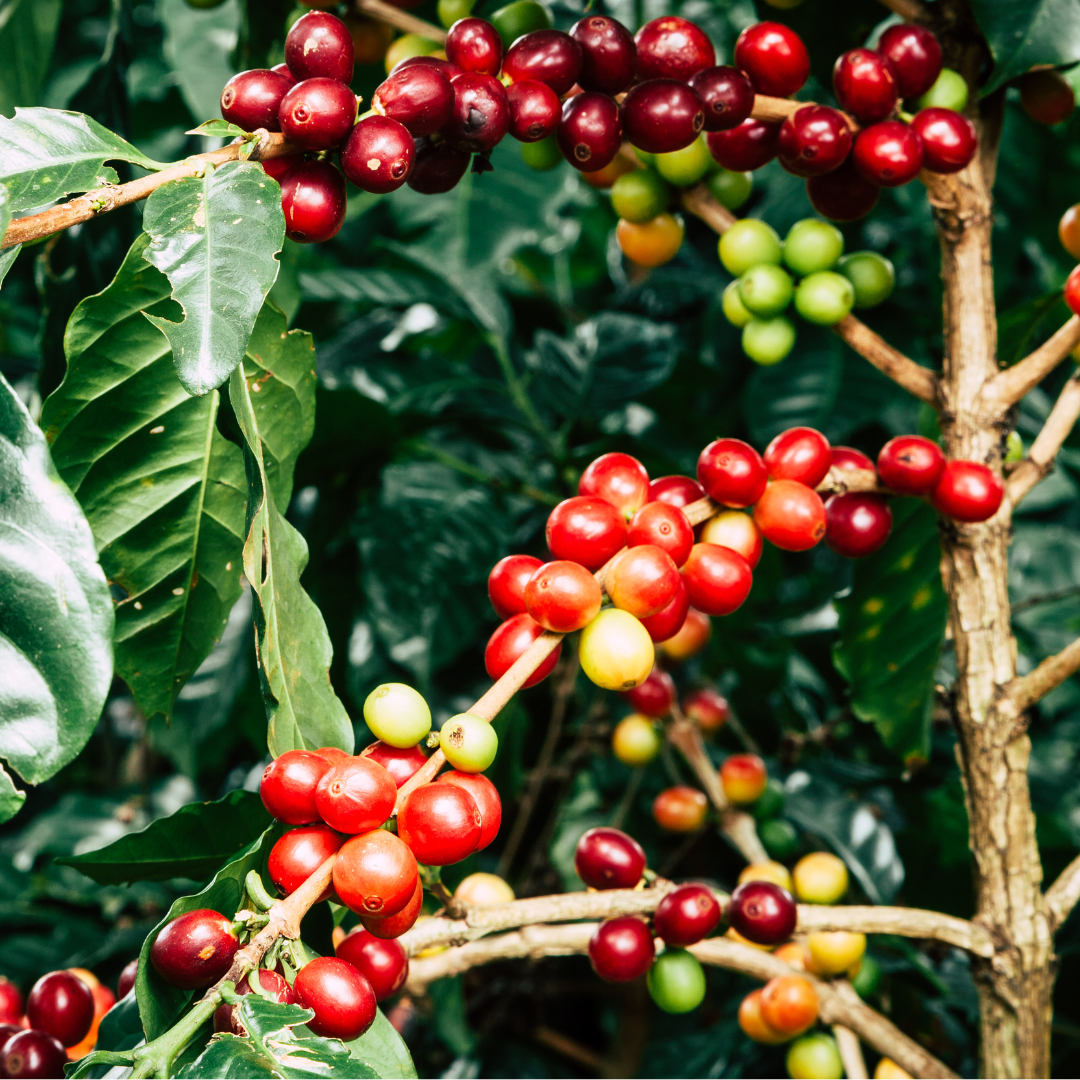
<point x="847" y="1042"/>
<point x="1040" y="458"/>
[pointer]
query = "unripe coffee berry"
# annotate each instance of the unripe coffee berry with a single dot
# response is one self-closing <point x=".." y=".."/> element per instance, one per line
<point x="615" y="650"/>
<point x="397" y="715"/>
<point x="469" y="743"/>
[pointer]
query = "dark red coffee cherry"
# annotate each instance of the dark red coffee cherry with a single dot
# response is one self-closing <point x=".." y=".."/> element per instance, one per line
<point x="842" y="195"/>
<point x="888" y="154"/>
<point x="31" y="1055"/>
<point x="420" y="98"/>
<point x="319" y="45"/>
<point x="857" y="523"/>
<point x="774" y="58"/>
<point x="436" y="63"/>
<point x="590" y="131"/>
<point x="686" y="915"/>
<point x="535" y="110"/>
<point x="607" y="858"/>
<point x="251" y="99"/>
<point x="763" y="913"/>
<point x="317" y="114"/>
<point x="277" y="167"/>
<point x="481" y="115"/>
<point x="194" y="950"/>
<point x="7" y="1033"/>
<point x="662" y="115"/>
<point x="61" y="1005"/>
<point x="227" y="1017"/>
<point x="948" y="139"/>
<point x="437" y="167"/>
<point x="283" y="69"/>
<point x="813" y="141"/>
<point x="313" y="198"/>
<point x="127" y="979"/>
<point x="746" y="147"/>
<point x="864" y="85"/>
<point x="383" y="963"/>
<point x="608" y="54"/>
<point x="672" y="48"/>
<point x="727" y="96"/>
<point x="288" y="784"/>
<point x="378" y="154"/>
<point x="341" y="998"/>
<point x="548" y="56"/>
<point x="400" y="764"/>
<point x="474" y="45"/>
<point x="622" y="949"/>
<point x="914" y="55"/>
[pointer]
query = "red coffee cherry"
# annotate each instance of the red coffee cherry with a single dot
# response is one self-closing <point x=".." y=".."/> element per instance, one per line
<point x="618" y="479"/>
<point x="563" y="596"/>
<point x="857" y="523"/>
<point x="726" y="94"/>
<point x="317" y="114"/>
<point x="590" y="131"/>
<point x="319" y="45"/>
<point x="608" y="54"/>
<point x="283" y="69"/>
<point x="474" y="45"/>
<point x="128" y="976"/>
<point x="193" y="951"/>
<point x="747" y="147"/>
<point x="686" y="915"/>
<point x="288" y="784"/>
<point x="774" y="58"/>
<point x="643" y="580"/>
<point x="585" y="530"/>
<point x="420" y="98"/>
<point x="655" y="696"/>
<point x="677" y="491"/>
<point x="888" y="154"/>
<point x="743" y="778"/>
<point x="665" y="624"/>
<point x="356" y="796"/>
<point x="666" y="527"/>
<point x="968" y="491"/>
<point x="62" y="1005"/>
<point x="486" y="797"/>
<point x="736" y="530"/>
<point x="763" y="913"/>
<point x="948" y="139"/>
<point x="548" y="56"/>
<point x="11" y="1002"/>
<point x="914" y="56"/>
<point x="375" y="874"/>
<point x="393" y="926"/>
<point x="732" y="472"/>
<point x="842" y="195"/>
<point x="481" y="115"/>
<point x="509" y="641"/>
<point x="7" y="1033"/>
<point x="847" y="457"/>
<point x="813" y="141"/>
<point x="1046" y="96"/>
<point x="383" y="963"/>
<point x="1072" y="291"/>
<point x="251" y="99"/>
<point x="622" y="949"/>
<point x="672" y="48"/>
<point x="33" y="1054"/>
<point x="299" y="853"/>
<point x="790" y="515"/>
<point x="717" y="579"/>
<point x="708" y="707"/>
<point x="864" y="85"/>
<point x="313" y="199"/>
<point x="680" y="809"/>
<point x="378" y="154"/>
<point x="441" y="824"/>
<point x="227" y="1018"/>
<point x="910" y="464"/>
<point x="277" y="167"/>
<point x="800" y="453"/>
<point x="607" y="858"/>
<point x="535" y="110"/>
<point x="341" y="998"/>
<point x="443" y="67"/>
<point x="437" y="167"/>
<point x="400" y="764"/>
<point x="507" y="581"/>
<point x="788" y="1005"/>
<point x="662" y="115"/>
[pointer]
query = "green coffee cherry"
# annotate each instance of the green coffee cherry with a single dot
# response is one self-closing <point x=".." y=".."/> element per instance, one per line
<point x="768" y="341"/>
<point x="406" y="47"/>
<point x="765" y="290"/>
<point x="872" y="275"/>
<point x="813" y="245"/>
<point x="868" y="977"/>
<point x="542" y="155"/>
<point x="815" y="1057"/>
<point x="771" y="801"/>
<point x="520" y="17"/>
<point x="677" y="981"/>
<point x="824" y="298"/>
<point x="644" y="156"/>
<point x="449" y="11"/>
<point x="734" y="309"/>
<point x="469" y="743"/>
<point x="779" y="837"/>
<point x="687" y="166"/>
<point x="397" y="715"/>
<point x="747" y="243"/>
<point x="949" y="91"/>
<point x="730" y="189"/>
<point x="1014" y="448"/>
<point x="639" y="195"/>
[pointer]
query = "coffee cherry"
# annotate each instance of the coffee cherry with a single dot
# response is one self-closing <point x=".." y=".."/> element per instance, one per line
<point x="507" y="581"/>
<point x="1046" y="96"/>
<point x="7" y="1033"/>
<point x="726" y="94"/>
<point x="746" y="244"/>
<point x="765" y="290"/>
<point x="813" y="141"/>
<point x="32" y="1054"/>
<point x="283" y="69"/>
<point x="615" y="650"/>
<point x="397" y="715"/>
<point x="643" y="580"/>
<point x="276" y="168"/>
<point x="680" y="809"/>
<point x="791" y="515"/>
<point x="1071" y="293"/>
<point x="768" y="341"/>
<point x="299" y="853"/>
<point x="407" y="47"/>
<point x="667" y="622"/>
<point x="676" y="491"/>
<point x="519" y="18"/>
<point x="484" y="890"/>
<point x="763" y="913"/>
<point x="548" y="56"/>
<point x="418" y="97"/>
<point x="824" y="298"/>
<point x="393" y="926"/>
<point x="743" y="778"/>
<point x="747" y="147"/>
<point x="622" y="949"/>
<point x="914" y="57"/>
<point x="687" y="915"/>
<point x="872" y="276"/>
<point x="689" y="639"/>
<point x="639" y="195"/>
<point x="734" y="309"/>
<point x="753" y="1025"/>
<point x="401" y="764"/>
<point x="662" y="115"/>
<point x="443" y="67"/>
<point x="655" y="696"/>
<point x="774" y="58"/>
<point x="789" y="1004"/>
<point x="608" y="54"/>
<point x="287" y="787"/>
<point x="662" y="526"/>
<point x="313" y="199"/>
<point x="127" y="979"/>
<point x="271" y="984"/>
<point x="801" y="454"/>
<point x="910" y="464"/>
<point x="732" y="472"/>
<point x="652" y="243"/>
<point x="590" y="132"/>
<point x="512" y="639"/>
<point x="370" y="37"/>
<point x="375" y="873"/>
<point x="968" y="491"/>
<point x="820" y="878"/>
<point x="864" y="85"/>
<point x="888" y="154"/>
<point x="677" y="981"/>
<point x="11" y="1002"/>
<point x="469" y="743"/>
<point x="535" y="110"/>
<point x="887" y="1069"/>
<point x="378" y="155"/>
<point x="585" y="530"/>
<point x="846" y="457"/>
<point x="815" y="1057"/>
<point x="708" y="708"/>
<point x="618" y="479"/>
<point x="474" y="45"/>
<point x="811" y="246"/>
<point x="384" y="964"/>
<point x="342" y="999"/>
<point x="950" y="91"/>
<point x="440" y="823"/>
<point x="842" y="195"/>
<point x="948" y="139"/>
<point x="251" y="99"/>
<point x="481" y="115"/>
<point x="635" y="741"/>
<point x="717" y="578"/>
<point x="672" y="48"/>
<point x="356" y="796"/>
<point x="191" y="952"/>
<point x="603" y="179"/>
<point x="487" y="800"/>
<point x="834" y="952"/>
<point x="1069" y="231"/>
<point x="687" y="166"/>
<point x="319" y="45"/>
<point x="61" y="1005"/>
<point x="563" y="596"/>
<point x="857" y="523"/>
<point x="778" y="874"/>
<point x="730" y="189"/>
<point x="607" y="858"/>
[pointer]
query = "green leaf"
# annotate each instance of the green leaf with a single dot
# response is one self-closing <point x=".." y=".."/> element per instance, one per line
<point x="192" y="843"/>
<point x="383" y="1050"/>
<point x="7" y="258"/>
<point x="56" y="617"/>
<point x="892" y="625"/>
<point x="11" y="798"/>
<point x="199" y="44"/>
<point x="216" y="237"/>
<point x="220" y="129"/>
<point x="1022" y="36"/>
<point x="46" y="154"/>
<point x="163" y="490"/>
<point x="272" y="394"/>
<point x="27" y="36"/>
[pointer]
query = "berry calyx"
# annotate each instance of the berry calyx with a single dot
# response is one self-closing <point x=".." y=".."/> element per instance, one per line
<point x="397" y="715"/>
<point x="474" y="45"/>
<point x="563" y="596"/>
<point x="680" y="809"/>
<point x="509" y="641"/>
<point x="607" y="858"/>
<point x="378" y="155"/>
<point x="375" y="873"/>
<point x="590" y="131"/>
<point x="440" y="823"/>
<point x="948" y="139"/>
<point x="687" y="915"/>
<point x="813" y="141"/>
<point x="313" y="199"/>
<point x="662" y="115"/>
<point x="288" y="784"/>
<point x="857" y="523"/>
<point x="672" y="48"/>
<point x="763" y="913"/>
<point x="252" y="99"/>
<point x="61" y="1005"/>
<point x="608" y="54"/>
<point x="864" y="85"/>
<point x="888" y="154"/>
<point x="774" y="57"/>
<point x="548" y="56"/>
<point x="791" y="515"/>
<point x="192" y="951"/>
<point x="507" y="581"/>
<point x="319" y="45"/>
<point x="384" y="964"/>
<point x="726" y="94"/>
<point x="968" y="491"/>
<point x="341" y="998"/>
<point x="622" y="949"/>
<point x="910" y="464"/>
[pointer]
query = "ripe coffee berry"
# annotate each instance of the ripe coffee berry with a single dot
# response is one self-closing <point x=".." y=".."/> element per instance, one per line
<point x="726" y="94"/>
<point x="584" y="529"/>
<point x="800" y="453"/>
<point x="813" y="141"/>
<point x="383" y="963"/>
<point x="318" y="113"/>
<point x="667" y="622"/>
<point x="271" y="984"/>
<point x="420" y="98"/>
<point x="732" y="472"/>
<point x="888" y="154"/>
<point x="507" y="581"/>
<point x="608" y="54"/>
<point x="548" y="56"/>
<point x="910" y="464"/>
<point x="319" y="45"/>
<point x="356" y="796"/>
<point x="672" y="48"/>
<point x="252" y="99"/>
<point x="487" y="800"/>
<point x="61" y="1005"/>
<point x="864" y="85"/>
<point x="299" y="853"/>
<point x="791" y="515"/>
<point x="32" y="1054"/>
<point x="691" y="637"/>
<point x="968" y="491"/>
<point x="655" y="696"/>
<point x="437" y="167"/>
<point x="193" y="951"/>
<point x="393" y="926"/>
<point x="474" y="45"/>
<point x="789" y="1004"/>
<point x="677" y="491"/>
<point x="509" y="641"/>
<point x="607" y="858"/>
<point x="127" y="979"/>
<point x="375" y="874"/>
<point x="736" y="530"/>
<point x="622" y="949"/>
<point x="857" y="523"/>
<point x="763" y="913"/>
<point x="618" y="479"/>
<point x="590" y="131"/>
<point x="1047" y="96"/>
<point x="708" y="707"/>
<point x="914" y="57"/>
<point x="277" y="167"/>
<point x="842" y="195"/>
<point x="313" y="199"/>
<point x="717" y="579"/>
<point x="753" y="1025"/>
<point x="341" y="998"/>
<point x="441" y="824"/>
<point x="847" y="457"/>
<point x="288" y="784"/>
<point x="663" y="526"/>
<point x="563" y="596"/>
<point x="535" y="110"/>
<point x="743" y="778"/>
<point x="662" y="115"/>
<point x="680" y="809"/>
<point x="481" y="115"/>
<point x="643" y="580"/>
<point x="948" y="139"/>
<point x="686" y="915"/>
<point x="774" y="58"/>
<point x="11" y="1002"/>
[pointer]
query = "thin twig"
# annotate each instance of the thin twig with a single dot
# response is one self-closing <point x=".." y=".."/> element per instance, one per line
<point x="400" y="20"/>
<point x="1052" y="672"/>
<point x="1063" y="895"/>
<point x="1040" y="458"/>
<point x="1010" y="385"/>
<point x="911" y="10"/>
<point x="847" y="1042"/>
<point x="901" y="921"/>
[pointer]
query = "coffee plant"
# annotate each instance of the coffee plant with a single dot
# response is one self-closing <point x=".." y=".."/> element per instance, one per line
<point x="476" y="597"/>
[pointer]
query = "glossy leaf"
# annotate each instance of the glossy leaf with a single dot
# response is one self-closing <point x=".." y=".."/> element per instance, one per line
<point x="27" y="36"/>
<point x="1022" y="36"/>
<point x="11" y="798"/>
<point x="163" y="490"/>
<point x="382" y="1049"/>
<point x="199" y="44"/>
<point x="216" y="237"/>
<point x="56" y="617"/>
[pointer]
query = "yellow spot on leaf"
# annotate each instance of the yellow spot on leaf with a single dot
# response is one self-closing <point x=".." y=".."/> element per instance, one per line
<point x="921" y="598"/>
<point x="873" y="605"/>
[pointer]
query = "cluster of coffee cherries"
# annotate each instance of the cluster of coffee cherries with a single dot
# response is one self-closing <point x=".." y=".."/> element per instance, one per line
<point x="59" y="1024"/>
